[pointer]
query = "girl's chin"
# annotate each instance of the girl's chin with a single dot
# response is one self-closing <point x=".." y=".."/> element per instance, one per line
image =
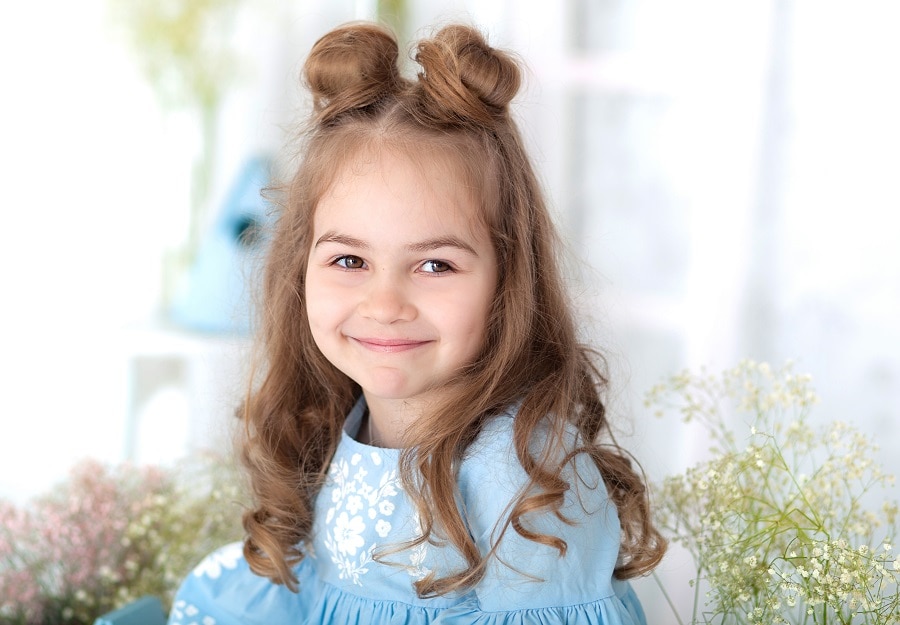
<point x="387" y="383"/>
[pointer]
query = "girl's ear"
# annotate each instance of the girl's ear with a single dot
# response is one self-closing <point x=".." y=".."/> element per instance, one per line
<point x="464" y="79"/>
<point x="351" y="67"/>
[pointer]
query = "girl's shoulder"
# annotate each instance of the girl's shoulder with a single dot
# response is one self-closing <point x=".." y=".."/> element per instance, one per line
<point x="493" y="454"/>
<point x="492" y="475"/>
<point x="492" y="480"/>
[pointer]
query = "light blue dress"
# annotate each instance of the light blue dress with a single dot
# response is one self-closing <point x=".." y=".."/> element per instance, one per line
<point x="363" y="511"/>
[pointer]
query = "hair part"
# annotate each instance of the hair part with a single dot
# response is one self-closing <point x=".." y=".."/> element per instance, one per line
<point x="457" y="112"/>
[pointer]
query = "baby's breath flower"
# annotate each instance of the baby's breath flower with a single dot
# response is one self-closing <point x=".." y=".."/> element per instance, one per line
<point x="770" y="521"/>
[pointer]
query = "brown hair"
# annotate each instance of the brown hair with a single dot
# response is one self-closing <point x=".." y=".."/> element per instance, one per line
<point x="459" y="107"/>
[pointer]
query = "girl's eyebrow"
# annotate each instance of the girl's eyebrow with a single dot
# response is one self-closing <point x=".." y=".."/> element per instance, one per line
<point x="342" y="239"/>
<point x="439" y="242"/>
<point x="423" y="246"/>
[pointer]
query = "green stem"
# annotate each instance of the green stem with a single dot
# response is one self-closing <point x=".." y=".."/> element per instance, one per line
<point x="202" y="178"/>
<point x="667" y="597"/>
<point x="393" y="12"/>
<point x="696" y="597"/>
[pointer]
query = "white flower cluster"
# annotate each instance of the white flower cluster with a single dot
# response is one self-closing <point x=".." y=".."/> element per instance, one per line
<point x="776" y="524"/>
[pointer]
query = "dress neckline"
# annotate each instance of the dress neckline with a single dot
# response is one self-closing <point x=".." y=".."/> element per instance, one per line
<point x="352" y="425"/>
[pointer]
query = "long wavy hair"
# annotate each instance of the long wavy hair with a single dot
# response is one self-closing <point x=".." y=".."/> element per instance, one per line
<point x="456" y="108"/>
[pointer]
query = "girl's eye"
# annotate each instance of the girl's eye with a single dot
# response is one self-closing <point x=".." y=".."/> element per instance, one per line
<point x="350" y="262"/>
<point x="435" y="266"/>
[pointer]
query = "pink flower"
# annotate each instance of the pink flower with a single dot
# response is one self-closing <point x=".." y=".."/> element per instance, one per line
<point x="105" y="531"/>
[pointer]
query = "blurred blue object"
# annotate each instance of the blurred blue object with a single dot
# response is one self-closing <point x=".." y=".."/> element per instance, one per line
<point x="216" y="296"/>
<point x="144" y="611"/>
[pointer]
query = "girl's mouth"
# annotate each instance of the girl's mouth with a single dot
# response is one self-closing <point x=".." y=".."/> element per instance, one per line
<point x="389" y="346"/>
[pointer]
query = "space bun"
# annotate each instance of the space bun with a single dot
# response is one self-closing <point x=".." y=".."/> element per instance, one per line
<point x="463" y="79"/>
<point x="351" y="67"/>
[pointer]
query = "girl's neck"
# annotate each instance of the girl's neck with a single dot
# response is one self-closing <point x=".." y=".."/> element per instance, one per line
<point x="386" y="422"/>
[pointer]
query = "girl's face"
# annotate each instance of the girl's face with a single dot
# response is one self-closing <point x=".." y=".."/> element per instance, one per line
<point x="400" y="279"/>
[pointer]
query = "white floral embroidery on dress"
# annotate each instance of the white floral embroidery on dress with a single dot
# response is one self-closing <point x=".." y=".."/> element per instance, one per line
<point x="382" y="528"/>
<point x="225" y="558"/>
<point x="182" y="609"/>
<point x="354" y="504"/>
<point x="347" y="533"/>
<point x="355" y="500"/>
<point x="417" y="569"/>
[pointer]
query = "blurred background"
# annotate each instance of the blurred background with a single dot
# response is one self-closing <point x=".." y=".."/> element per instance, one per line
<point x="725" y="174"/>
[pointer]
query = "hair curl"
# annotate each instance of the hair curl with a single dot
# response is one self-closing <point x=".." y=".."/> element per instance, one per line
<point x="456" y="111"/>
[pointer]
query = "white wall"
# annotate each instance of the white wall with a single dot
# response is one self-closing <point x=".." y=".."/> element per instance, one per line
<point x="86" y="178"/>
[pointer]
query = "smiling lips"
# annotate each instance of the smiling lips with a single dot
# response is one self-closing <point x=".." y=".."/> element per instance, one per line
<point x="389" y="346"/>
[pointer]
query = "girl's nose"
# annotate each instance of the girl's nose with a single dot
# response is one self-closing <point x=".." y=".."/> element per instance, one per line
<point x="386" y="301"/>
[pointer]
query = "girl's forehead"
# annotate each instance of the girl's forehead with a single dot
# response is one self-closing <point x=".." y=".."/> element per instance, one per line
<point x="434" y="173"/>
<point x="411" y="195"/>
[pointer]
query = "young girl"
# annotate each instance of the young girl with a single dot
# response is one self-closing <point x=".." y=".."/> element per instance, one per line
<point x="424" y="440"/>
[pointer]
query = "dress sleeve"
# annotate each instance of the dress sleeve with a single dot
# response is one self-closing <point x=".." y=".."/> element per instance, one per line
<point x="222" y="590"/>
<point x="528" y="582"/>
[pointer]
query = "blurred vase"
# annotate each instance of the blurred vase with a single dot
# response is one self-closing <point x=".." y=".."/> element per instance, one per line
<point x="215" y="294"/>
